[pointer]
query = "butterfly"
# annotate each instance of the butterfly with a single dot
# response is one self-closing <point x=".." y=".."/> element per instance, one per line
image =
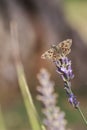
<point x="59" y="51"/>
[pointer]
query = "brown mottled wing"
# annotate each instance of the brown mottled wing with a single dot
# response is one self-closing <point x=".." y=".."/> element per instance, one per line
<point x="64" y="47"/>
<point x="48" y="54"/>
<point x="51" y="54"/>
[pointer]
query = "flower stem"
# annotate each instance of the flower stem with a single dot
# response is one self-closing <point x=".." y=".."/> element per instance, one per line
<point x="82" y="115"/>
<point x="2" y="123"/>
<point x="33" y="116"/>
<point x="30" y="108"/>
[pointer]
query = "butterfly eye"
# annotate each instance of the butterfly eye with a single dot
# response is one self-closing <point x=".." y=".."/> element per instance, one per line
<point x="54" y="47"/>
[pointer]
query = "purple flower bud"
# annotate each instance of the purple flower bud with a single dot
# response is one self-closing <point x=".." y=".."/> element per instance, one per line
<point x="64" y="67"/>
<point x="73" y="101"/>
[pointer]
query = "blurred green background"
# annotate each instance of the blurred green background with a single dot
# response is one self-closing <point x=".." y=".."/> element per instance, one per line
<point x="42" y="23"/>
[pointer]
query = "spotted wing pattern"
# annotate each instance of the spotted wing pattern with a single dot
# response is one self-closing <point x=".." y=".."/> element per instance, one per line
<point x="57" y="52"/>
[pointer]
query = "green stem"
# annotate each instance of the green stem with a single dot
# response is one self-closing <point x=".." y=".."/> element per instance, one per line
<point x="78" y="107"/>
<point x="81" y="113"/>
<point x="29" y="105"/>
<point x="31" y="111"/>
<point x="2" y="124"/>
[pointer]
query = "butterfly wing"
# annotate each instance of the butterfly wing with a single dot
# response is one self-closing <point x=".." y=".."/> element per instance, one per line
<point x="48" y="54"/>
<point x="64" y="47"/>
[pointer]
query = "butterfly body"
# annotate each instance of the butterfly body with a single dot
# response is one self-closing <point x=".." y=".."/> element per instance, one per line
<point x="59" y="51"/>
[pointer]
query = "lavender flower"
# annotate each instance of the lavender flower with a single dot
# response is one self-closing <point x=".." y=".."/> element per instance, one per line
<point x="54" y="118"/>
<point x="64" y="69"/>
<point x="63" y="66"/>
